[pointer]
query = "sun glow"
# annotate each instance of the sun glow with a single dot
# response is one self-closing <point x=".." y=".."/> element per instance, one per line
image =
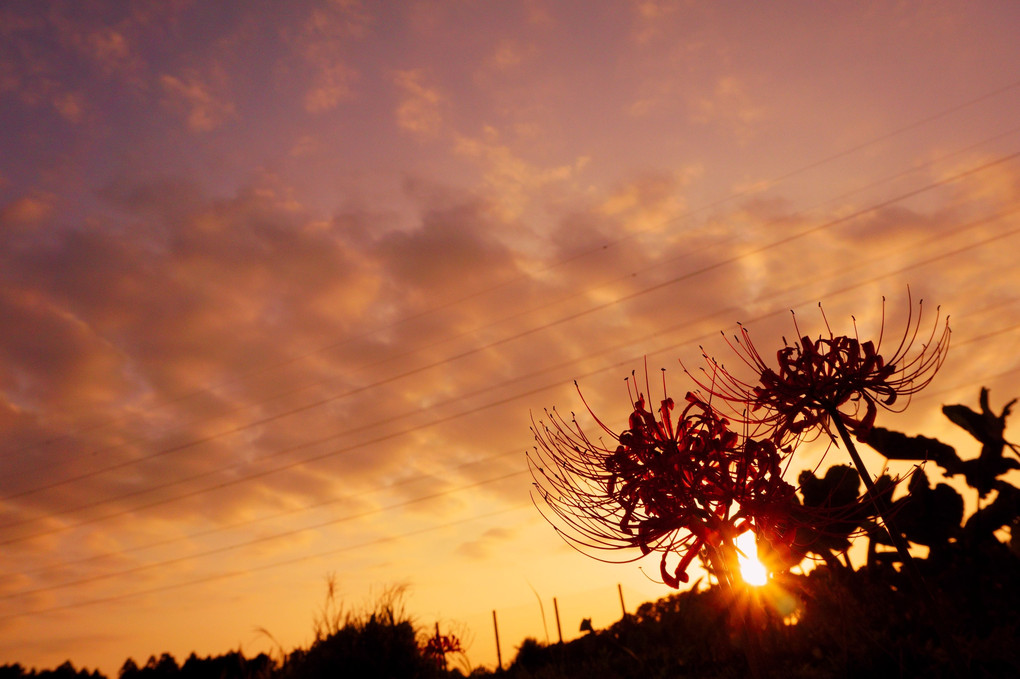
<point x="751" y="569"/>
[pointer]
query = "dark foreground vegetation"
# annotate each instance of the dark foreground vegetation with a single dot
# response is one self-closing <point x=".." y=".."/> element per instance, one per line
<point x="834" y="621"/>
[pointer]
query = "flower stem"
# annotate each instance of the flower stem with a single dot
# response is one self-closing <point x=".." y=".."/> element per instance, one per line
<point x="927" y="601"/>
<point x="897" y="539"/>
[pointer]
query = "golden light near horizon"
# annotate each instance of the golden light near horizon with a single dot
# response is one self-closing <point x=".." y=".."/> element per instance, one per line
<point x="751" y="569"/>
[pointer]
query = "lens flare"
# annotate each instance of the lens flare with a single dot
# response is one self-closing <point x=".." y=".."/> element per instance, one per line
<point x="751" y="569"/>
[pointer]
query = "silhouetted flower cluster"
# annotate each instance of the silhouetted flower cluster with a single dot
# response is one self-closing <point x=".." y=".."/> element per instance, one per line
<point x="678" y="487"/>
<point x="441" y="645"/>
<point x="672" y="486"/>
<point x="827" y="377"/>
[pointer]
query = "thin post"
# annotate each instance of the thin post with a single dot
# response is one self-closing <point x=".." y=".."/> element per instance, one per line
<point x="439" y="646"/>
<point x="556" y="609"/>
<point x="619" y="589"/>
<point x="499" y="656"/>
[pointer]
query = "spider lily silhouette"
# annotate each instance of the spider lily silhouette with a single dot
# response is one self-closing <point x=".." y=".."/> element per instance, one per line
<point x="837" y="377"/>
<point x="680" y="485"/>
<point x="672" y="485"/>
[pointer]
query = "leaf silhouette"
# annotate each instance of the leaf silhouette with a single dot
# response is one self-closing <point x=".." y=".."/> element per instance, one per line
<point x="988" y="428"/>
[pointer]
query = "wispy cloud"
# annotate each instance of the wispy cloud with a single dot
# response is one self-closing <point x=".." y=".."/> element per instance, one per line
<point x="419" y="111"/>
<point x="324" y="43"/>
<point x="191" y="95"/>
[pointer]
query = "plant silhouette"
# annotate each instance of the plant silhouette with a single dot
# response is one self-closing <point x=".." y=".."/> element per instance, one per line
<point x="688" y="485"/>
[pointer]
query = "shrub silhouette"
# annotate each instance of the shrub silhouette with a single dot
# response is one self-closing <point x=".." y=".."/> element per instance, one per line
<point x="231" y="665"/>
<point x="851" y="622"/>
<point x="64" y="671"/>
<point x="381" y="643"/>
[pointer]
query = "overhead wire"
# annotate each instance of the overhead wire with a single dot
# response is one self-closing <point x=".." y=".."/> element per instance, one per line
<point x="929" y="260"/>
<point x="515" y="336"/>
<point x="266" y="538"/>
<point x="262" y="539"/>
<point x="207" y="389"/>
<point x="222" y="528"/>
<point x="254" y="568"/>
<point x="920" y="264"/>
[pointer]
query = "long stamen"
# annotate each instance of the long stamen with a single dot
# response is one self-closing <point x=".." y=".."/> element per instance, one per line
<point x="663" y="488"/>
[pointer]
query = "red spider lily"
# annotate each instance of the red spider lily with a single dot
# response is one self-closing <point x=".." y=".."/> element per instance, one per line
<point x="669" y="486"/>
<point x="834" y="375"/>
<point x="441" y="645"/>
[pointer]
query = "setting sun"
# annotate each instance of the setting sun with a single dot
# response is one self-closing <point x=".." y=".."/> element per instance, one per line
<point x="751" y="569"/>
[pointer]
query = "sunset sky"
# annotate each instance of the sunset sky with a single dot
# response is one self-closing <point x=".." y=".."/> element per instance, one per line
<point x="282" y="284"/>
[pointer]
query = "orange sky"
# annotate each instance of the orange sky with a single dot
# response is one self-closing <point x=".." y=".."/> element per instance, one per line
<point x="281" y="286"/>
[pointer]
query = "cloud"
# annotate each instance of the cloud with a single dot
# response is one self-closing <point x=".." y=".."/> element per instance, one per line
<point x="649" y="203"/>
<point x="201" y="288"/>
<point x="419" y="109"/>
<point x="485" y="545"/>
<point x="196" y="100"/>
<point x="513" y="180"/>
<point x="333" y="82"/>
<point x="27" y="210"/>
<point x="509" y="55"/>
<point x="48" y="57"/>
<point x="728" y="105"/>
<point x="538" y="14"/>
<point x="28" y="68"/>
<point x="207" y="286"/>
<point x="650" y="17"/>
<point x="323" y="44"/>
<point x="111" y="50"/>
<point x="451" y="245"/>
<point x="306" y="145"/>
<point x="70" y="106"/>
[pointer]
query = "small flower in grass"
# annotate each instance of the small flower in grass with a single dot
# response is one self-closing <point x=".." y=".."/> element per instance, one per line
<point x="819" y="379"/>
<point x="441" y="645"/>
<point x="668" y="485"/>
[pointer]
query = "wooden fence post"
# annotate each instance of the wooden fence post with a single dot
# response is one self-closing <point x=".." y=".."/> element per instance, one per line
<point x="495" y="626"/>
<point x="556" y="609"/>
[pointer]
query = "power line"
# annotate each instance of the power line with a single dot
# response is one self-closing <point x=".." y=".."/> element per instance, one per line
<point x="398" y="505"/>
<point x="260" y="519"/>
<point x="190" y="557"/>
<point x="970" y="246"/>
<point x="265" y="538"/>
<point x="525" y="333"/>
<point x="208" y="389"/>
<point x="263" y="567"/>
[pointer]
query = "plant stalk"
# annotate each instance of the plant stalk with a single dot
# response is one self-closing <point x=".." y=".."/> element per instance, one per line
<point x="927" y="601"/>
<point x="897" y="539"/>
